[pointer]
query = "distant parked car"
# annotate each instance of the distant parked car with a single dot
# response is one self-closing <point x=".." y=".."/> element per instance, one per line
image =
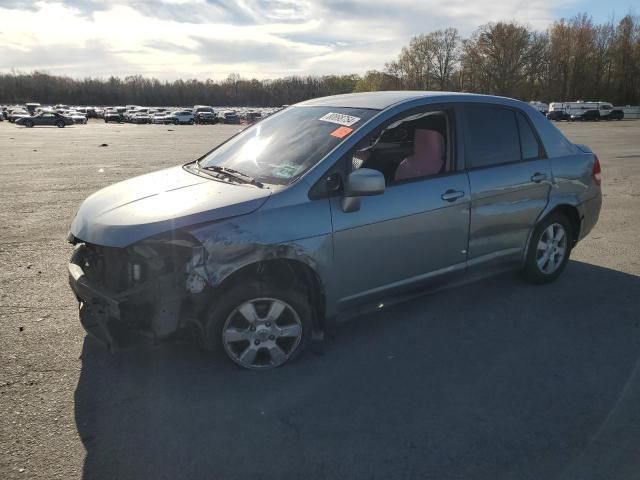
<point x="113" y="116"/>
<point x="615" y="114"/>
<point x="92" y="112"/>
<point x="77" y="117"/>
<point x="229" y="117"/>
<point x="587" y="115"/>
<point x="205" y="114"/>
<point x="206" y="118"/>
<point x="253" y="117"/>
<point x="32" y="107"/>
<point x="158" y="118"/>
<point x="166" y="118"/>
<point x="129" y="114"/>
<point x="17" y="114"/>
<point x="45" y="119"/>
<point x="141" y="118"/>
<point x="558" y="115"/>
<point x="183" y="117"/>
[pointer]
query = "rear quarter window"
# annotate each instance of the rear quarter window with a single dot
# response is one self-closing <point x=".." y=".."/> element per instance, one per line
<point x="529" y="142"/>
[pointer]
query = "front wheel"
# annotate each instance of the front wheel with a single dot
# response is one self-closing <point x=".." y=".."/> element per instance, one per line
<point x="549" y="249"/>
<point x="60" y="124"/>
<point x="28" y="123"/>
<point x="258" y="326"/>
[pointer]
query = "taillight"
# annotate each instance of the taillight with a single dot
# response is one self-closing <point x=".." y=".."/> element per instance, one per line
<point x="596" y="171"/>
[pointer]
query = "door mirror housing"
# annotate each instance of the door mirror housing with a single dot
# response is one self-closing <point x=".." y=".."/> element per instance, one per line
<point x="362" y="182"/>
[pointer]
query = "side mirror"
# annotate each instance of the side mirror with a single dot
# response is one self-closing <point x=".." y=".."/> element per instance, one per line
<point x="362" y="182"/>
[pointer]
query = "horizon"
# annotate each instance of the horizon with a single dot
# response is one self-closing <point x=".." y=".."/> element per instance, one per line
<point x="256" y="39"/>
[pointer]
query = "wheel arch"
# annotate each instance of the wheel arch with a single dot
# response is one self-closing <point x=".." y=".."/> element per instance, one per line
<point x="572" y="213"/>
<point x="285" y="273"/>
<point x="568" y="210"/>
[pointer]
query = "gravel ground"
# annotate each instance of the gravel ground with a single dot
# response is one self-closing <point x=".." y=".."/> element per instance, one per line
<point x="494" y="380"/>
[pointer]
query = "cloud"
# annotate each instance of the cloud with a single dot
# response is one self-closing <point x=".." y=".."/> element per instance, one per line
<point x="256" y="38"/>
<point x="60" y="59"/>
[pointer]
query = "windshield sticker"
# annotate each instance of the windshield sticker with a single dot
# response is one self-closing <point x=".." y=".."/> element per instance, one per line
<point x="341" y="132"/>
<point x="340" y="119"/>
<point x="286" y="171"/>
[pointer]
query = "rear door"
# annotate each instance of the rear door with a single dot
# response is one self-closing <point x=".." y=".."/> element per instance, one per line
<point x="510" y="181"/>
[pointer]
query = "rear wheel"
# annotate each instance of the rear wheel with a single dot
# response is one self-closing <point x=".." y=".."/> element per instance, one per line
<point x="258" y="326"/>
<point x="60" y="124"/>
<point x="549" y="249"/>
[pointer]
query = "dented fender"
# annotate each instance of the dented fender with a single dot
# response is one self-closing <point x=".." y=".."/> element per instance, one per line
<point x="236" y="243"/>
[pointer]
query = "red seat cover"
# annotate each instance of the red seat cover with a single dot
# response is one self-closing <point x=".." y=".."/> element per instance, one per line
<point x="428" y="150"/>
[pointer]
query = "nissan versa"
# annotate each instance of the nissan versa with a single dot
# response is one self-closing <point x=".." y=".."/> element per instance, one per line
<point x="331" y="206"/>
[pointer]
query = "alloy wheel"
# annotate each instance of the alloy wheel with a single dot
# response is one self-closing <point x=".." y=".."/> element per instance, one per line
<point x="551" y="249"/>
<point x="262" y="333"/>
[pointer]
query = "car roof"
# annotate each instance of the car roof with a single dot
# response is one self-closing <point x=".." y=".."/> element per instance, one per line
<point x="386" y="99"/>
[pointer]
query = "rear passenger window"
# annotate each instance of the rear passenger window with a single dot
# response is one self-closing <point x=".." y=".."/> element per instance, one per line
<point x="528" y="140"/>
<point x="492" y="136"/>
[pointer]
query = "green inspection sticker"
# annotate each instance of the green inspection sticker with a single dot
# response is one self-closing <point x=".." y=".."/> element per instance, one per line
<point x="286" y="171"/>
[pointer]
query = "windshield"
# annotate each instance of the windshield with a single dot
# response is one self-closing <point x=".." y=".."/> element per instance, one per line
<point x="283" y="147"/>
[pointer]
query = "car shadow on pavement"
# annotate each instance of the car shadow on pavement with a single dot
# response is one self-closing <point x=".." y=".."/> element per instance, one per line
<point x="498" y="379"/>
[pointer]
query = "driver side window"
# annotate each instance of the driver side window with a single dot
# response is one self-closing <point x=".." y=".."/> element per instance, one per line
<point x="409" y="147"/>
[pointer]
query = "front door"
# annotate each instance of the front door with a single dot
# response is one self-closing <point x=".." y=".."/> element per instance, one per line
<point x="418" y="228"/>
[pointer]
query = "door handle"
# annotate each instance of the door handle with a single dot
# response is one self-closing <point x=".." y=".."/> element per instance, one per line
<point x="452" y="195"/>
<point x="538" y="177"/>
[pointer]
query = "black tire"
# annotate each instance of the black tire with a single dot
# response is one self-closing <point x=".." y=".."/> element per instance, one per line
<point x="28" y="123"/>
<point x="237" y="295"/>
<point x="532" y="271"/>
<point x="60" y="124"/>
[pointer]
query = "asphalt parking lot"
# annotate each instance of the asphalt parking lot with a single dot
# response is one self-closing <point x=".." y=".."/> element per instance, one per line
<point x="494" y="380"/>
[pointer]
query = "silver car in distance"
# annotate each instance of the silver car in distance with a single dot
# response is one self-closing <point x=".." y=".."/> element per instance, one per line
<point x="329" y="207"/>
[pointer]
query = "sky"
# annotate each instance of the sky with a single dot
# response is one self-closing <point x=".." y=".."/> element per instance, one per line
<point x="262" y="39"/>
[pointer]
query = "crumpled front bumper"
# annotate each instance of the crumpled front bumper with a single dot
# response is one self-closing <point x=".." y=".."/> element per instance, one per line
<point x="142" y="313"/>
<point x="97" y="304"/>
<point x="101" y="310"/>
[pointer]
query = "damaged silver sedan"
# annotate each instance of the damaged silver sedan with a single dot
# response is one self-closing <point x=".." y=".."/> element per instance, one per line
<point x="331" y="207"/>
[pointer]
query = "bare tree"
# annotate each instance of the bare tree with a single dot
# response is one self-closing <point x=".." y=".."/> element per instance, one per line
<point x="445" y="51"/>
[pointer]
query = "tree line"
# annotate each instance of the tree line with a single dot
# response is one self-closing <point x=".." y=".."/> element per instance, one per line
<point x="573" y="59"/>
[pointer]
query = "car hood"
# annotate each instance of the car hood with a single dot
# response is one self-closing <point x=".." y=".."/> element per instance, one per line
<point x="129" y="211"/>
